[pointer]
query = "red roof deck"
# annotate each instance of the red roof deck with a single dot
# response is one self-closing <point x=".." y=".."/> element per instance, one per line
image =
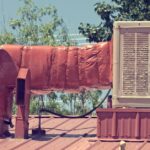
<point x="67" y="134"/>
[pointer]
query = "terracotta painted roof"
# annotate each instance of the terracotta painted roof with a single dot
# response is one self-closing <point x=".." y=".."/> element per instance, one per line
<point x="67" y="134"/>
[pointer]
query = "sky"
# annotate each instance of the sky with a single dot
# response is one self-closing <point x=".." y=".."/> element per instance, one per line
<point x="73" y="12"/>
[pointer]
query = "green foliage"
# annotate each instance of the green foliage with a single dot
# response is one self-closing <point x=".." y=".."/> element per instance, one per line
<point x="37" y="25"/>
<point x="44" y="101"/>
<point x="88" y="100"/>
<point x="122" y="10"/>
<point x="7" y="38"/>
<point x="53" y="103"/>
<point x="66" y="103"/>
<point x="70" y="100"/>
<point x="34" y="106"/>
<point x="80" y="103"/>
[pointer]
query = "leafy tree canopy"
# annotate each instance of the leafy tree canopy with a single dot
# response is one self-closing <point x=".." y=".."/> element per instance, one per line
<point x="37" y="25"/>
<point x="122" y="10"/>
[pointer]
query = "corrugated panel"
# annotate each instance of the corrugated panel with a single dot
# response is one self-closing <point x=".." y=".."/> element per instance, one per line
<point x="134" y="62"/>
<point x="81" y="144"/>
<point x="72" y="134"/>
<point x="61" y="133"/>
<point x="112" y="145"/>
<point x="123" y="123"/>
<point x="104" y="145"/>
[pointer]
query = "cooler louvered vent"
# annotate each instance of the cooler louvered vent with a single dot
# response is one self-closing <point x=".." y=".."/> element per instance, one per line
<point x="134" y="63"/>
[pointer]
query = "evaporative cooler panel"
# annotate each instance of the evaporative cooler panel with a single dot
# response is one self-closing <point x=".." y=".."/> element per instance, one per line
<point x="131" y="64"/>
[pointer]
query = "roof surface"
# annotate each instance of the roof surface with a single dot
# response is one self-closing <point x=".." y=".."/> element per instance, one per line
<point x="66" y="134"/>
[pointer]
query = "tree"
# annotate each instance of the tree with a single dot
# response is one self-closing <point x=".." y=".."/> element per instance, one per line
<point x="122" y="10"/>
<point x="49" y="101"/>
<point x="88" y="99"/>
<point x="94" y="97"/>
<point x="37" y="25"/>
<point x="69" y="99"/>
<point x="80" y="103"/>
<point x="7" y="37"/>
<point x="53" y="102"/>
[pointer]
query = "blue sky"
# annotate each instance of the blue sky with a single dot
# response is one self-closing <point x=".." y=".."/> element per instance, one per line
<point x="72" y="11"/>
